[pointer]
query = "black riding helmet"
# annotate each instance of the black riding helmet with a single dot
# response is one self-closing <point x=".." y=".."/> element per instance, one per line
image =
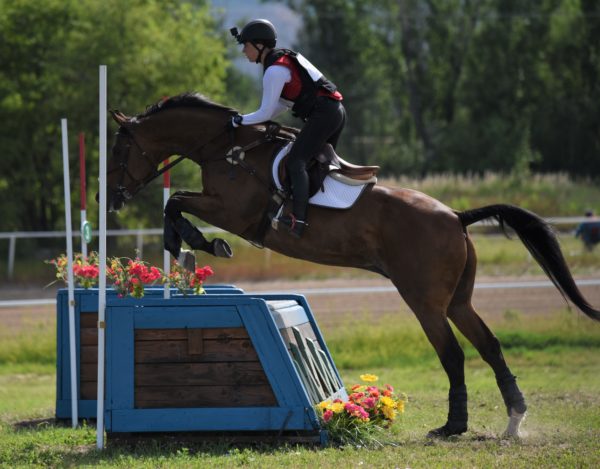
<point x="258" y="31"/>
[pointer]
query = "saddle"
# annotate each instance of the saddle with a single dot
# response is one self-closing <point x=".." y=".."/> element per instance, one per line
<point x="328" y="162"/>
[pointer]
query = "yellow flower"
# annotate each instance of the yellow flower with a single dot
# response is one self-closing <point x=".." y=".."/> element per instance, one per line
<point x="337" y="407"/>
<point x="324" y="405"/>
<point x="388" y="402"/>
<point x="400" y="406"/>
<point x="389" y="412"/>
<point x="368" y="378"/>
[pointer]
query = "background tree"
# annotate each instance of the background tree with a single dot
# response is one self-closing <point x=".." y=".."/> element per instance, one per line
<point x="463" y="85"/>
<point x="50" y="52"/>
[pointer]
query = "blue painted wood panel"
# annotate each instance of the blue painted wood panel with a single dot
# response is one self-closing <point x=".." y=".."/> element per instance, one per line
<point x="86" y="301"/>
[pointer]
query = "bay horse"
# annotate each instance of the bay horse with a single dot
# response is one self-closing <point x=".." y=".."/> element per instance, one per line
<point x="419" y="243"/>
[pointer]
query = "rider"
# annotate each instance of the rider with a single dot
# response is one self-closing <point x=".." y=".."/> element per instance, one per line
<point x="291" y="81"/>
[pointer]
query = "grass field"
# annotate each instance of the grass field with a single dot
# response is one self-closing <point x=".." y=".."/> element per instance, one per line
<point x="556" y="359"/>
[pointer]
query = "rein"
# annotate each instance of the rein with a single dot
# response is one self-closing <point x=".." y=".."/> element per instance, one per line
<point x="234" y="155"/>
<point x="140" y="184"/>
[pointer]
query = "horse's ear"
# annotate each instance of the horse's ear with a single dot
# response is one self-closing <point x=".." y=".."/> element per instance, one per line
<point x="119" y="117"/>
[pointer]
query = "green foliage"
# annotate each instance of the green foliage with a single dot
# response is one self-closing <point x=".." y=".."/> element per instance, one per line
<point x="448" y="85"/>
<point x="50" y="52"/>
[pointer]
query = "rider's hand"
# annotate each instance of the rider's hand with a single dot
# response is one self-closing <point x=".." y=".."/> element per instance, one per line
<point x="234" y="122"/>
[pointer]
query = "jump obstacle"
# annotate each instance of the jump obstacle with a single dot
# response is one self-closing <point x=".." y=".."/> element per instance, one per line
<point x="86" y="347"/>
<point x="221" y="362"/>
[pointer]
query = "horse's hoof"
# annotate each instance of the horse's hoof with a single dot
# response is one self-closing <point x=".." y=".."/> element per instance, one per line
<point x="187" y="259"/>
<point x="221" y="248"/>
<point x="450" y="429"/>
<point x="514" y="424"/>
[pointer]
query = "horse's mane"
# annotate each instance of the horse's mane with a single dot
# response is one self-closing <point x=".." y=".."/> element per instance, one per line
<point x="197" y="100"/>
<point x="189" y="99"/>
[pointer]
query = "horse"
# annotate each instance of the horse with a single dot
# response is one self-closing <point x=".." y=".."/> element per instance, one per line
<point x="418" y="243"/>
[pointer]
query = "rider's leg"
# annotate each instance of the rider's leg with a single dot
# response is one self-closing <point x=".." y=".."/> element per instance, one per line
<point x="325" y="124"/>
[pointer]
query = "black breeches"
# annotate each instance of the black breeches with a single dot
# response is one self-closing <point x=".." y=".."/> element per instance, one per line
<point x="324" y="125"/>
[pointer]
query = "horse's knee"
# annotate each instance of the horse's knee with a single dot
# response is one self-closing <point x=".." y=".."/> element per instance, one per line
<point x="173" y="207"/>
<point x="171" y="238"/>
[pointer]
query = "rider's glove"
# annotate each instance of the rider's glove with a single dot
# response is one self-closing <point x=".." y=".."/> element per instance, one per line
<point x="234" y="122"/>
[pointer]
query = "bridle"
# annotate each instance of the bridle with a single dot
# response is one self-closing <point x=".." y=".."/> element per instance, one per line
<point x="121" y="190"/>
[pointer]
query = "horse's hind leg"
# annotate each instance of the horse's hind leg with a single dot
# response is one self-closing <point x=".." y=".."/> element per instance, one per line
<point x="451" y="356"/>
<point x="462" y="313"/>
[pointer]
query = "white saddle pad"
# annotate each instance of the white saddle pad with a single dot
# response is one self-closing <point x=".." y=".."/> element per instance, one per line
<point x="336" y="193"/>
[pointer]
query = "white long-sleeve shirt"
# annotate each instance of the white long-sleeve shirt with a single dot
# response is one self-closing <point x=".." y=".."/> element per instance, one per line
<point x="272" y="104"/>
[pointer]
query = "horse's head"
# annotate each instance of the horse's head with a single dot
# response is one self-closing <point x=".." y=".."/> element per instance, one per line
<point x="182" y="125"/>
<point x="125" y="171"/>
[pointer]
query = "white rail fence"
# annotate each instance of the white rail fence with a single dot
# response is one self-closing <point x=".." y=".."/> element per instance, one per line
<point x="140" y="233"/>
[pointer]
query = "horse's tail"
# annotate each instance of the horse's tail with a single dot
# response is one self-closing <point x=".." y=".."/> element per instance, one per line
<point x="541" y="242"/>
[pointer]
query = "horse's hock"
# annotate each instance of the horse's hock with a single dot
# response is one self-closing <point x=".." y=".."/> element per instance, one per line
<point x="215" y="363"/>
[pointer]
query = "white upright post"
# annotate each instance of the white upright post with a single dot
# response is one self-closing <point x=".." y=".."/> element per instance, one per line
<point x="166" y="254"/>
<point x="70" y="279"/>
<point x="101" y="260"/>
<point x="82" y="194"/>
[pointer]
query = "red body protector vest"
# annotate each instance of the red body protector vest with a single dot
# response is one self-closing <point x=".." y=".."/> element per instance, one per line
<point x="306" y="85"/>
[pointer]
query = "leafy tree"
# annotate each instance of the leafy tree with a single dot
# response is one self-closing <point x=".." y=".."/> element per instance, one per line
<point x="464" y="85"/>
<point x="50" y="52"/>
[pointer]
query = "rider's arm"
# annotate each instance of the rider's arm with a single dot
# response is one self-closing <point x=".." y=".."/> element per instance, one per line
<point x="274" y="80"/>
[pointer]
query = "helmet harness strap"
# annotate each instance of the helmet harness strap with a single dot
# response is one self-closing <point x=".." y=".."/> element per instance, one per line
<point x="260" y="51"/>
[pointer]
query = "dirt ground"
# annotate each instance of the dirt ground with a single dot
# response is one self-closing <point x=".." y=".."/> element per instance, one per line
<point x="331" y="309"/>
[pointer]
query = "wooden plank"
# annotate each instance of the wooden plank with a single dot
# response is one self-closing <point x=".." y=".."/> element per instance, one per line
<point x="223" y="334"/>
<point x="176" y="351"/>
<point x="288" y="336"/>
<point x="196" y="374"/>
<point x="88" y="320"/>
<point x="195" y="341"/>
<point x="203" y="396"/>
<point x="89" y="354"/>
<point x="88" y="372"/>
<point x="311" y="367"/>
<point x="305" y="384"/>
<point x="320" y="368"/>
<point x="331" y="370"/>
<point x="301" y="367"/>
<point x="321" y="359"/>
<point x="88" y="390"/>
<point x="88" y="336"/>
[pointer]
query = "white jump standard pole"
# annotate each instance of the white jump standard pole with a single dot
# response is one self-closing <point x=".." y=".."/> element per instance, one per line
<point x="101" y="260"/>
<point x="166" y="254"/>
<point x="82" y="197"/>
<point x="70" y="279"/>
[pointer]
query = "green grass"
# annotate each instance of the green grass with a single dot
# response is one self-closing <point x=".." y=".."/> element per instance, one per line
<point x="556" y="360"/>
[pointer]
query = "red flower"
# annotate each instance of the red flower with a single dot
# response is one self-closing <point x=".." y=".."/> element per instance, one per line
<point x="327" y="415"/>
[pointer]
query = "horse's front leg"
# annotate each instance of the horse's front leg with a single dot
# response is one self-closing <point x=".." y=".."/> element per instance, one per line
<point x="178" y="228"/>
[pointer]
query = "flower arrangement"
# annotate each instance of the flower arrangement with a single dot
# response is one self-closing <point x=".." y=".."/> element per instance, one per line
<point x="184" y="280"/>
<point x="364" y="417"/>
<point x="85" y="269"/>
<point x="130" y="275"/>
